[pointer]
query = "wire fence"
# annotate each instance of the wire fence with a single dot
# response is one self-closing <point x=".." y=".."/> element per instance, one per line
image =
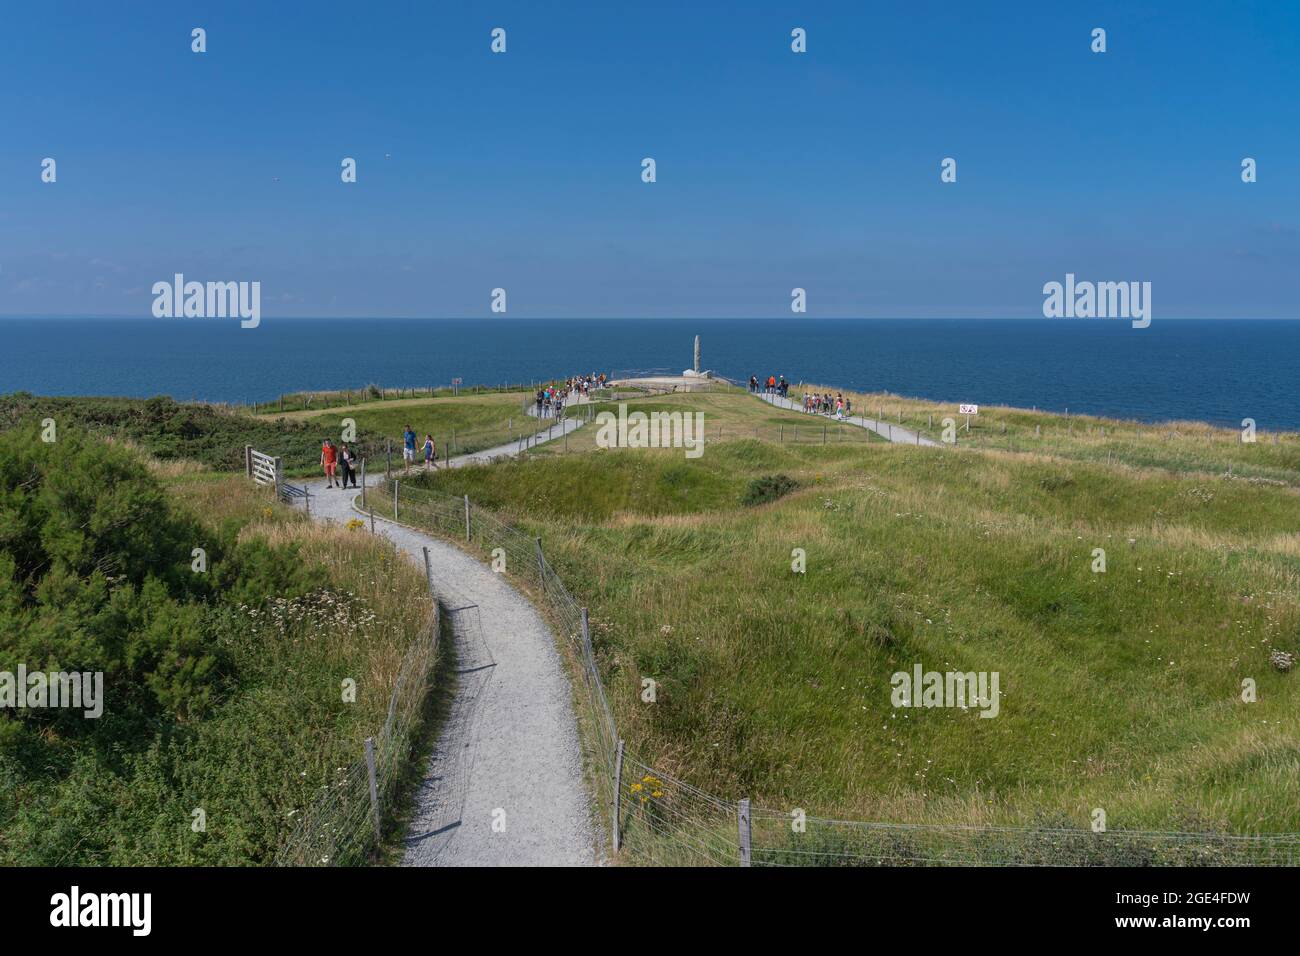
<point x="659" y="819"/>
<point x="342" y="825"/>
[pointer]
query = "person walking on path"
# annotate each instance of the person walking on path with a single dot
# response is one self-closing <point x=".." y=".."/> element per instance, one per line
<point x="345" y="467"/>
<point x="430" y="453"/>
<point x="328" y="459"/>
<point x="408" y="448"/>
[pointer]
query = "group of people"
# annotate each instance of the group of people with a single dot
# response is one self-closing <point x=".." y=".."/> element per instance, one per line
<point x="551" y="399"/>
<point x="583" y="384"/>
<point x="339" y="462"/>
<point x="826" y="404"/>
<point x="429" y="447"/>
<point x="813" y="403"/>
<point x="774" y="385"/>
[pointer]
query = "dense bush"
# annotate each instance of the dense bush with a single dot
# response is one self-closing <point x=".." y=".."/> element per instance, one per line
<point x="168" y="429"/>
<point x="768" y="488"/>
<point x="96" y="575"/>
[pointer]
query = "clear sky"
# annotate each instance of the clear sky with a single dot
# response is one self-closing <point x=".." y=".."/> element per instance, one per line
<point x="775" y="169"/>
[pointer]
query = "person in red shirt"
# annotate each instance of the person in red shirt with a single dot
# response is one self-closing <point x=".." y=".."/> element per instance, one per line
<point x="329" y="456"/>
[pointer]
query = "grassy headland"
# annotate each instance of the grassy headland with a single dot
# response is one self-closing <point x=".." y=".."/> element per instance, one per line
<point x="1122" y="689"/>
<point x="1180" y="446"/>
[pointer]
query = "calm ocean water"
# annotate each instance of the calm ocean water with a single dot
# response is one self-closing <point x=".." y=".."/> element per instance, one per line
<point x="1217" y="371"/>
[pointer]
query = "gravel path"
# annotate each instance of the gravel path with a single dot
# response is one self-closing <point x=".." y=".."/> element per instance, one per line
<point x="504" y="784"/>
<point x="895" y="433"/>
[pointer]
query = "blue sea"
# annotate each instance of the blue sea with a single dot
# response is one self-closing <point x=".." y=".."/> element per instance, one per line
<point x="1215" y="371"/>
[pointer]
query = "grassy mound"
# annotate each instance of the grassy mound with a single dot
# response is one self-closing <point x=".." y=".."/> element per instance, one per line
<point x="1121" y="689"/>
<point x="468" y="423"/>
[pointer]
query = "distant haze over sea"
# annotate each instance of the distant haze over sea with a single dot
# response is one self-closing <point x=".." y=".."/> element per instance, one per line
<point x="1215" y="371"/>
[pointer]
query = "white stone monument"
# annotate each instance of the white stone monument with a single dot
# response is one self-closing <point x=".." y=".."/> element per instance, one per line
<point x="695" y="372"/>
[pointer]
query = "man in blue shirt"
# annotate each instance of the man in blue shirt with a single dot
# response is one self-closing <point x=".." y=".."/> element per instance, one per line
<point x="408" y="448"/>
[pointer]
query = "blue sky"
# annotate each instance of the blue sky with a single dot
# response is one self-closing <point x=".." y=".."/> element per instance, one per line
<point x="775" y="170"/>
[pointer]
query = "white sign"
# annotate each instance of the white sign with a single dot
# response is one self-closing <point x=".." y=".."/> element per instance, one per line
<point x="457" y="381"/>
<point x="968" y="409"/>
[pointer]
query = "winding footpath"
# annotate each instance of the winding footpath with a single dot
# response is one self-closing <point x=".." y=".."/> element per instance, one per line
<point x="503" y="785"/>
<point x="888" y="430"/>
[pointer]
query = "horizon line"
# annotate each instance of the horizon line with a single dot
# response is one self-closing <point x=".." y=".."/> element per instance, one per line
<point x="639" y="318"/>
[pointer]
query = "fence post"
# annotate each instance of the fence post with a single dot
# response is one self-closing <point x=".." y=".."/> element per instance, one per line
<point x="742" y="821"/>
<point x="618" y="788"/>
<point x="248" y="460"/>
<point x="388" y="461"/>
<point x="374" y="788"/>
<point x="541" y="566"/>
<point x="396" y="484"/>
<point x="453" y="441"/>
<point x="363" y="483"/>
<point x="467" y="517"/>
<point x="279" y="475"/>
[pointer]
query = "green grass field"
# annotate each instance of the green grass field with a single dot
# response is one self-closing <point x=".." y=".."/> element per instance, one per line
<point x="1120" y="690"/>
<point x="373" y="394"/>
<point x="1173" y="446"/>
<point x="469" y="423"/>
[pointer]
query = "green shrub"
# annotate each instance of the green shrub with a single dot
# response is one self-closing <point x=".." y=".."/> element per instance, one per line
<point x="96" y="575"/>
<point x="170" y="430"/>
<point x="768" y="488"/>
